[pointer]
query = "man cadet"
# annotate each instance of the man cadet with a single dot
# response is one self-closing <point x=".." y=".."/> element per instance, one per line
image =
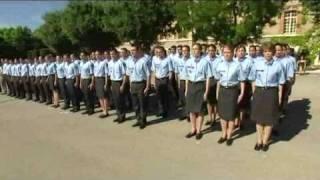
<point x="72" y="83"/>
<point x="25" y="72"/>
<point x="86" y="83"/>
<point x="117" y="73"/>
<point x="39" y="79"/>
<point x="124" y="57"/>
<point x="139" y="74"/>
<point x="32" y="80"/>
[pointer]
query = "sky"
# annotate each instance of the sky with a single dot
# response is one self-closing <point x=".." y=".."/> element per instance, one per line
<point x="26" y="12"/>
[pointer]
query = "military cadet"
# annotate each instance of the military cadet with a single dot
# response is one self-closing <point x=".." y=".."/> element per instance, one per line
<point x="214" y="60"/>
<point x="61" y="75"/>
<point x="244" y="105"/>
<point x="109" y="99"/>
<point x="117" y="73"/>
<point x="44" y="80"/>
<point x="204" y="49"/>
<point x="1" y="75"/>
<point x="292" y="59"/>
<point x="16" y="78"/>
<point x="25" y="70"/>
<point x="100" y="80"/>
<point x="139" y="74"/>
<point x="174" y="87"/>
<point x="39" y="79"/>
<point x="10" y="78"/>
<point x="51" y="81"/>
<point x="4" y="85"/>
<point x="72" y="83"/>
<point x="198" y="72"/>
<point x="125" y="56"/>
<point x="230" y="76"/>
<point x="21" y="82"/>
<point x="86" y="83"/>
<point x="78" y="91"/>
<point x="268" y="78"/>
<point x="253" y="54"/>
<point x="259" y="51"/>
<point x="32" y="80"/>
<point x="162" y="68"/>
<point x="181" y="76"/>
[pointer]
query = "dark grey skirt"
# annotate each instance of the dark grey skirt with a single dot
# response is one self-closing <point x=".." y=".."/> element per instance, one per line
<point x="212" y="93"/>
<point x="195" y="102"/>
<point x="227" y="103"/>
<point x="265" y="106"/>
<point x="99" y="86"/>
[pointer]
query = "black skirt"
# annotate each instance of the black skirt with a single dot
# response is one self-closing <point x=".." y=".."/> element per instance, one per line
<point x="212" y="94"/>
<point x="246" y="99"/>
<point x="195" y="102"/>
<point x="265" y="106"/>
<point x="99" y="86"/>
<point x="227" y="103"/>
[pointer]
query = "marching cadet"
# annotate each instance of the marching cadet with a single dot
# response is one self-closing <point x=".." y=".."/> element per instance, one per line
<point x="72" y="83"/>
<point x="117" y="73"/>
<point x="110" y="103"/>
<point x="78" y="91"/>
<point x="204" y="50"/>
<point x="25" y="71"/>
<point x="230" y="76"/>
<point x="100" y="80"/>
<point x="86" y="83"/>
<point x="56" y="89"/>
<point x="181" y="76"/>
<point x="15" y="75"/>
<point x="61" y="75"/>
<point x="197" y="88"/>
<point x="139" y="74"/>
<point x="214" y="60"/>
<point x="44" y="80"/>
<point x="162" y="68"/>
<point x="51" y="82"/>
<point x="125" y="56"/>
<point x="32" y="80"/>
<point x="4" y="85"/>
<point x="38" y="79"/>
<point x="244" y="105"/>
<point x="20" y="79"/>
<point x="253" y="54"/>
<point x="267" y="78"/>
<point x="11" y="78"/>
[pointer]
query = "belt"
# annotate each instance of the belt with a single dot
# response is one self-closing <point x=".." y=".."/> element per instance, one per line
<point x="162" y="78"/>
<point x="138" y="82"/>
<point x="196" y="82"/>
<point x="116" y="80"/>
<point x="267" y="87"/>
<point x="230" y="87"/>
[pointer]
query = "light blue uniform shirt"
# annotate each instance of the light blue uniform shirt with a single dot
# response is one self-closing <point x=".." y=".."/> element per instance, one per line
<point x="116" y="70"/>
<point x="10" y="70"/>
<point x="287" y="66"/>
<point x="246" y="65"/>
<point x="38" y="70"/>
<point x="24" y="70"/>
<point x="100" y="68"/>
<point x="5" y="68"/>
<point x="293" y="61"/>
<point x="180" y="68"/>
<point x="229" y="73"/>
<point x="52" y="68"/>
<point x="125" y="60"/>
<point x="161" y="67"/>
<point x="44" y="69"/>
<point x="267" y="74"/>
<point x="16" y="70"/>
<point x="71" y="70"/>
<point x="213" y="64"/>
<point x="86" y="69"/>
<point x="137" y="69"/>
<point x="198" y="69"/>
<point x="32" y="69"/>
<point x="61" y="67"/>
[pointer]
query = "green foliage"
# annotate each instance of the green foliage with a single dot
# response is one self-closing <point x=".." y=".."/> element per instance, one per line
<point x="313" y="43"/>
<point x="291" y="40"/>
<point x="314" y="7"/>
<point x="228" y="21"/>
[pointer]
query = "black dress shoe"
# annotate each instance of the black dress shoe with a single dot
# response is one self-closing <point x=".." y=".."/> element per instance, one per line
<point x="190" y="134"/>
<point x="121" y="120"/>
<point x="258" y="147"/>
<point x="103" y="115"/>
<point x="222" y="140"/>
<point x="116" y="120"/>
<point x="275" y="132"/>
<point x="136" y="124"/>
<point x="208" y="123"/>
<point x="142" y="125"/>
<point x="199" y="136"/>
<point x="265" y="147"/>
<point x="90" y="113"/>
<point x="65" y="107"/>
<point x="85" y="112"/>
<point x="229" y="142"/>
<point x="182" y="118"/>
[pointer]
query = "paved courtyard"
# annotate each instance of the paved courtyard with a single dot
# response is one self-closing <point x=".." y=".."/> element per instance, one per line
<point x="38" y="142"/>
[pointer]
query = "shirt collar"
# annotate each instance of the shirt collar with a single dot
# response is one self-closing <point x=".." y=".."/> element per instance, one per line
<point x="269" y="62"/>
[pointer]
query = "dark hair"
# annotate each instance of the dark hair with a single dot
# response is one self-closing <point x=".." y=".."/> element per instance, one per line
<point x="186" y="46"/>
<point x="229" y="46"/>
<point x="199" y="45"/>
<point x="252" y="46"/>
<point x="213" y="46"/>
<point x="173" y="47"/>
<point x="179" y="46"/>
<point x="279" y="44"/>
<point x="241" y="46"/>
<point x="268" y="46"/>
<point x="137" y="46"/>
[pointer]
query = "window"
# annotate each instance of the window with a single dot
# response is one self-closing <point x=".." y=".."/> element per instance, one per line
<point x="290" y="22"/>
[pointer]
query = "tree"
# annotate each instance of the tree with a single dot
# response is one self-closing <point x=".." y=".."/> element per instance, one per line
<point x="228" y="21"/>
<point x="314" y="7"/>
<point x="51" y="33"/>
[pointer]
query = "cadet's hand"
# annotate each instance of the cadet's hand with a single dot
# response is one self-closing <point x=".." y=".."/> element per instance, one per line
<point x="55" y="83"/>
<point x="91" y="86"/>
<point x="280" y="101"/>
<point x="185" y="93"/>
<point x="145" y="91"/>
<point x="240" y="98"/>
<point x="121" y="88"/>
<point x="205" y="96"/>
<point x="105" y="87"/>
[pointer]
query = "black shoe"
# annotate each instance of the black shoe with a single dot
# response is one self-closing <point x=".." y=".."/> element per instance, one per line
<point x="65" y="107"/>
<point x="41" y="101"/>
<point x="190" y="134"/>
<point x="275" y="132"/>
<point x="48" y="103"/>
<point x="199" y="136"/>
<point x="121" y="120"/>
<point x="85" y="112"/>
<point x="241" y="127"/>
<point x="55" y="106"/>
<point x="208" y="123"/>
<point x="229" y="142"/>
<point x="74" y="110"/>
<point x="222" y="140"/>
<point x="90" y="113"/>
<point x="188" y="119"/>
<point x="258" y="147"/>
<point x="142" y="125"/>
<point x="265" y="147"/>
<point x="182" y="118"/>
<point x="136" y="124"/>
<point x="103" y="115"/>
<point x="116" y="120"/>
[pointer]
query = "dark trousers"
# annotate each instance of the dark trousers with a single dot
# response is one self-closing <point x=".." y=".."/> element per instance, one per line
<point x="16" y="84"/>
<point x="139" y="100"/>
<point x="34" y="88"/>
<point x="88" y="95"/>
<point x="46" y="89"/>
<point x="72" y="92"/>
<point x="63" y="91"/>
<point x="22" y="93"/>
<point x="10" y="83"/>
<point x="182" y="98"/>
<point x="162" y="87"/>
<point x="119" y="99"/>
<point x="174" y="88"/>
<point x="41" y="90"/>
<point x="26" y="86"/>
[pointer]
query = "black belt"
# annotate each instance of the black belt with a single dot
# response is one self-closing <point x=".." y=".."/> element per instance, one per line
<point x="196" y="82"/>
<point x="116" y="81"/>
<point x="230" y="87"/>
<point x="164" y="78"/>
<point x="138" y="82"/>
<point x="267" y="87"/>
